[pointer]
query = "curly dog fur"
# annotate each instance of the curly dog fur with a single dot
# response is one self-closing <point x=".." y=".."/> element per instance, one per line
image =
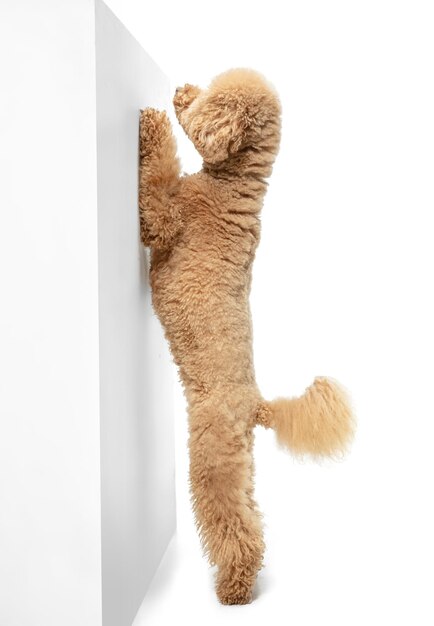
<point x="203" y="231"/>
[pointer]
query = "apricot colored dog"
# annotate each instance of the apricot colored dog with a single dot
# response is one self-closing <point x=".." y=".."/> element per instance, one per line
<point x="203" y="231"/>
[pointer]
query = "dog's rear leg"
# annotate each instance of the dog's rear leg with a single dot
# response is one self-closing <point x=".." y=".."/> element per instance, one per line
<point x="221" y="482"/>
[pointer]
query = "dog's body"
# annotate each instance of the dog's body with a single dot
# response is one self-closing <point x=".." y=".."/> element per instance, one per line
<point x="203" y="231"/>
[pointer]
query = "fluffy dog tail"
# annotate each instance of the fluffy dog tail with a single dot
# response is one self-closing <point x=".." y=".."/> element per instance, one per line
<point x="318" y="423"/>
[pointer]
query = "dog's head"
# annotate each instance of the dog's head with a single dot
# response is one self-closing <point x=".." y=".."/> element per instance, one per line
<point x="239" y="110"/>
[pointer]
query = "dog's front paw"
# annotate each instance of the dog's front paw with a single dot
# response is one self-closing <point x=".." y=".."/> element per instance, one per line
<point x="154" y="130"/>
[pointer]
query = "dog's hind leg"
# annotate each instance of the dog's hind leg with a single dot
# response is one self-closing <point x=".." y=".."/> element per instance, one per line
<point x="221" y="483"/>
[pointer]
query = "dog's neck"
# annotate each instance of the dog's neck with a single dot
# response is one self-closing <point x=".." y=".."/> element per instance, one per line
<point x="247" y="164"/>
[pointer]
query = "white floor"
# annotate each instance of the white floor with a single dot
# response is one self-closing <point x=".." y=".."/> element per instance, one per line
<point x="183" y="588"/>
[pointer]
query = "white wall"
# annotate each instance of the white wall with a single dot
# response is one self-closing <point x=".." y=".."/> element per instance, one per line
<point x="49" y="402"/>
<point x="137" y="452"/>
<point x="85" y="374"/>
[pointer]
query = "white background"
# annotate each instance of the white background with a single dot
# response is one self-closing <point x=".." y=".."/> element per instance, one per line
<point x="342" y="286"/>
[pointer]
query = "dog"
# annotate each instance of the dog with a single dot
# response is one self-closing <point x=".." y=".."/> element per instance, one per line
<point x="203" y="231"/>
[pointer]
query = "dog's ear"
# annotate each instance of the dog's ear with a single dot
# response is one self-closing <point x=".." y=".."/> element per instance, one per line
<point x="217" y="127"/>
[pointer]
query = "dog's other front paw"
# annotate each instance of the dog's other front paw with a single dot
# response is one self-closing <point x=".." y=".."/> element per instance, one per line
<point x="184" y="96"/>
<point x="154" y="130"/>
